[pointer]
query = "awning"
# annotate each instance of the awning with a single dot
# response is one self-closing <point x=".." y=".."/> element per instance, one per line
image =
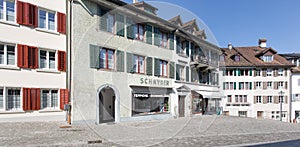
<point x="209" y="94"/>
<point x="151" y="90"/>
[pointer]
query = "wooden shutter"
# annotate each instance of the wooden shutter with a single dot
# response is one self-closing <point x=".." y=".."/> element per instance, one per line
<point x="156" y="67"/>
<point x="20" y="12"/>
<point x="120" y="24"/>
<point x="264" y="85"/>
<point x="25" y="14"/>
<point x="32" y="15"/>
<point x="64" y="97"/>
<point x="149" y="66"/>
<point x="264" y="72"/>
<point x="254" y="99"/>
<point x="21" y="55"/>
<point x="265" y="99"/>
<point x="94" y="56"/>
<point x="250" y="86"/>
<point x="187" y="48"/>
<point x="224" y="84"/>
<point x="254" y="85"/>
<point x="130" y="63"/>
<point x="239" y="72"/>
<point x="187" y="74"/>
<point x="276" y="99"/>
<point x="103" y="18"/>
<point x="32" y="57"/>
<point x="172" y="70"/>
<point x="35" y="98"/>
<point x="234" y="72"/>
<point x="250" y="72"/>
<point x="171" y="41"/>
<point x="285" y="85"/>
<point x="234" y="85"/>
<point x="178" y="72"/>
<point x="275" y="85"/>
<point x="61" y="22"/>
<point x="26" y="99"/>
<point x="178" y="45"/>
<point x="286" y="99"/>
<point x="275" y="72"/>
<point x="254" y="73"/>
<point x="120" y="61"/>
<point x="148" y="29"/>
<point x="62" y="61"/>
<point x="285" y="72"/>
<point x="130" y="28"/>
<point x="156" y="36"/>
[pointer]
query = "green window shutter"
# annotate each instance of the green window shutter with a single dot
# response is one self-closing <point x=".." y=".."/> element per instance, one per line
<point x="120" y="61"/>
<point x="148" y="29"/>
<point x="239" y="72"/>
<point x="103" y="18"/>
<point x="224" y="85"/>
<point x="250" y="74"/>
<point x="177" y="72"/>
<point x="234" y="85"/>
<point x="178" y="45"/>
<point x="120" y="24"/>
<point x="130" y="28"/>
<point x="240" y="85"/>
<point x="224" y="72"/>
<point x="156" y="37"/>
<point x="187" y="74"/>
<point x="187" y="48"/>
<point x="250" y="85"/>
<point x="129" y="61"/>
<point x="171" y="41"/>
<point x="156" y="67"/>
<point x="94" y="56"/>
<point x="149" y="66"/>
<point x="172" y="70"/>
<point x="234" y="72"/>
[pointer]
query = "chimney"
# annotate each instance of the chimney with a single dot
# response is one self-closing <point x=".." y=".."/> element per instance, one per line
<point x="229" y="46"/>
<point x="135" y="1"/>
<point x="262" y="42"/>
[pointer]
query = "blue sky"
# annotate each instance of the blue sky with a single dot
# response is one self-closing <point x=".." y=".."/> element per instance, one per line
<point x="241" y="22"/>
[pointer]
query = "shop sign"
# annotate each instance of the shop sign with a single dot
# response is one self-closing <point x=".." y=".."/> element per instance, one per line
<point x="141" y="95"/>
<point x="154" y="82"/>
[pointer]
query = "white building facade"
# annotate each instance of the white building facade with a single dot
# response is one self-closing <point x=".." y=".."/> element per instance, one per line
<point x="256" y="82"/>
<point x="139" y="66"/>
<point x="32" y="56"/>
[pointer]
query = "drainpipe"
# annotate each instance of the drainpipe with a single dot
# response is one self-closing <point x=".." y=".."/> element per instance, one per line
<point x="290" y="95"/>
<point x="69" y="52"/>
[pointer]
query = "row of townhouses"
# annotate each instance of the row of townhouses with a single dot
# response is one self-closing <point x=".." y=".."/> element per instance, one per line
<point x="114" y="62"/>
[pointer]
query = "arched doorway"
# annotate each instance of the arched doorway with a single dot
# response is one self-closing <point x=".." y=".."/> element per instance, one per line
<point x="107" y="106"/>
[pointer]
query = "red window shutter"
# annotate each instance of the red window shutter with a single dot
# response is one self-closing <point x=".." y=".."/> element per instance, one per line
<point x="64" y="98"/>
<point x="20" y="55"/>
<point x="35" y="24"/>
<point x="25" y="56"/>
<point x="35" y="57"/>
<point x="35" y="99"/>
<point x="20" y="6"/>
<point x="32" y="57"/>
<point x="32" y="15"/>
<point x="26" y="97"/>
<point x="25" y="13"/>
<point x="61" y="23"/>
<point x="61" y="61"/>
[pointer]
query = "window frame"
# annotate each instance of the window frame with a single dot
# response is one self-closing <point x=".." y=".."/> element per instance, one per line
<point x="269" y="85"/>
<point x="138" y="68"/>
<point x="161" y="68"/>
<point x="258" y="72"/>
<point x="258" y="99"/>
<point x="268" y="58"/>
<point x="269" y="72"/>
<point x="47" y="19"/>
<point x="137" y="34"/>
<point x="4" y="11"/>
<point x="280" y="72"/>
<point x="5" y="54"/>
<point x="258" y="85"/>
<point x="269" y="99"/>
<point x="106" y="62"/>
<point x="48" y="59"/>
<point x="163" y="42"/>
<point x="15" y="108"/>
<point x="57" y="99"/>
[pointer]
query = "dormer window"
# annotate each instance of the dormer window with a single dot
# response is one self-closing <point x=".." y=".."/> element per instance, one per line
<point x="222" y="58"/>
<point x="237" y="58"/>
<point x="268" y="58"/>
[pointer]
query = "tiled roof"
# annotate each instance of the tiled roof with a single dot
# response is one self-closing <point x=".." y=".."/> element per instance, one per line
<point x="190" y="23"/>
<point x="296" y="69"/>
<point x="250" y="56"/>
<point x="175" y="20"/>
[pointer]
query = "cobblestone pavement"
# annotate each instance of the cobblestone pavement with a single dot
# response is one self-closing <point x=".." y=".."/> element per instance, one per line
<point x="196" y="131"/>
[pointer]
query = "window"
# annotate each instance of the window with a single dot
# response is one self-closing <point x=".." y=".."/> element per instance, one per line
<point x="231" y="85"/>
<point x="245" y="98"/>
<point x="229" y="72"/>
<point x="49" y="99"/>
<point x="163" y="38"/>
<point x="258" y="72"/>
<point x="110" y="23"/>
<point x="7" y="54"/>
<point x="237" y="58"/>
<point x="258" y="85"/>
<point x="229" y="98"/>
<point x="163" y="68"/>
<point x="139" y="64"/>
<point x="280" y="85"/>
<point x="107" y="21"/>
<point x="268" y="58"/>
<point x="7" y="10"/>
<point x="47" y="59"/>
<point x="46" y="20"/>
<point x="236" y="98"/>
<point x="182" y="73"/>
<point x="149" y="105"/>
<point x="241" y="86"/>
<point x="107" y="58"/>
<point x="221" y="58"/>
<point x="13" y="99"/>
<point x="139" y="32"/>
<point x="269" y="85"/>
<point x="269" y="72"/>
<point x="1" y="98"/>
<point x="280" y="72"/>
<point x="241" y="98"/>
<point x="242" y="113"/>
<point x="258" y="99"/>
<point x="281" y="99"/>
<point x="269" y="99"/>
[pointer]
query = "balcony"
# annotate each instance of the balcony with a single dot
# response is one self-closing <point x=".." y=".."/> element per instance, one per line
<point x="199" y="61"/>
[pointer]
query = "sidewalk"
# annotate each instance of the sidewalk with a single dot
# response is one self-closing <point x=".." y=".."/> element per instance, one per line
<point x="33" y="117"/>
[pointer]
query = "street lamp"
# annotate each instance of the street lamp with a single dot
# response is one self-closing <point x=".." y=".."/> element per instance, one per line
<point x="281" y="93"/>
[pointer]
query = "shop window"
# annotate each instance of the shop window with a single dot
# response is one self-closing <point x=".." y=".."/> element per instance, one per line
<point x="149" y="105"/>
<point x="197" y="105"/>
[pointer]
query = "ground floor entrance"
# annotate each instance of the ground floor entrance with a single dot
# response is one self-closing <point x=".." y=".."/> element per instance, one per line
<point x="181" y="106"/>
<point x="107" y="105"/>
